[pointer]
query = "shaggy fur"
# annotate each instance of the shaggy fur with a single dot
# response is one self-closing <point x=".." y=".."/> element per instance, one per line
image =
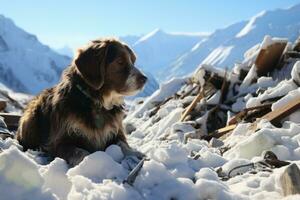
<point x="84" y="113"/>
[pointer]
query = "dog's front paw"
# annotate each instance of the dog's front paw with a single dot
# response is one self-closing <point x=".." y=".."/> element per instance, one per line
<point x="132" y="152"/>
<point x="128" y="151"/>
<point x="77" y="156"/>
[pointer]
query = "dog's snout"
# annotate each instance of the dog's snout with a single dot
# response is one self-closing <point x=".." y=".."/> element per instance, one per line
<point x="142" y="79"/>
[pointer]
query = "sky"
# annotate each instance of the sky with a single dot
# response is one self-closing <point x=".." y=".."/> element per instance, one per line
<point x="74" y="22"/>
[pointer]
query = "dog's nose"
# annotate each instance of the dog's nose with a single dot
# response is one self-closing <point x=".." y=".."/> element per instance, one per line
<point x="142" y="79"/>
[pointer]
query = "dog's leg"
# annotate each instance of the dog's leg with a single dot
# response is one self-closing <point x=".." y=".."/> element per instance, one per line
<point x="70" y="153"/>
<point x="28" y="133"/>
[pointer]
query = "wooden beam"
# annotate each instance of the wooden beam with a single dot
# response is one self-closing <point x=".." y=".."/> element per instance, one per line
<point x="241" y="115"/>
<point x="11" y="120"/>
<point x="220" y="132"/>
<point x="276" y="115"/>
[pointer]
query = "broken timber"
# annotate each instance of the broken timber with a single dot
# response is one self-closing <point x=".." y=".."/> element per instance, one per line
<point x="11" y="120"/>
<point x="274" y="117"/>
<point x="244" y="113"/>
<point x="269" y="58"/>
<point x="193" y="104"/>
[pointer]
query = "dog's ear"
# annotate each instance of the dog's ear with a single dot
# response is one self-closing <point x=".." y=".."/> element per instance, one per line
<point x="91" y="62"/>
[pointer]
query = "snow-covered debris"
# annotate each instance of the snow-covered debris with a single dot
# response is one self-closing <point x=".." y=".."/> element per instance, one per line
<point x="252" y="146"/>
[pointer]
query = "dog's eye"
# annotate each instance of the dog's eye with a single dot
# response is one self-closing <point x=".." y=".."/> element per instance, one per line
<point x="121" y="61"/>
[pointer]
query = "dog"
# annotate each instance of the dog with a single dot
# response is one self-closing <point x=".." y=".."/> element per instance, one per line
<point x="83" y="113"/>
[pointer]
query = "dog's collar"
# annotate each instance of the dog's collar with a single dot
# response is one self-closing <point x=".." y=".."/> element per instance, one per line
<point x="87" y="95"/>
<point x="99" y="120"/>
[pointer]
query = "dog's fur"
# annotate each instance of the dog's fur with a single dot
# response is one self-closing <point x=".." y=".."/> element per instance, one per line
<point x="84" y="113"/>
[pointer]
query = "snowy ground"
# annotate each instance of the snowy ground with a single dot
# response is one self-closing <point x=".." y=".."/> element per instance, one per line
<point x="178" y="168"/>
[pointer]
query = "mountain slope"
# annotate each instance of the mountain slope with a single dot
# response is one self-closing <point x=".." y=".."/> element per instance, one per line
<point x="167" y="55"/>
<point x="26" y="65"/>
<point x="158" y="49"/>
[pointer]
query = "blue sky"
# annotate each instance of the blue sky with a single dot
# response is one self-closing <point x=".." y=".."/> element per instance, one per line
<point x="73" y="22"/>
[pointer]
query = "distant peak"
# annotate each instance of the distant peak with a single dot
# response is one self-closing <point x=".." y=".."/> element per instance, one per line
<point x="251" y="24"/>
<point x="155" y="32"/>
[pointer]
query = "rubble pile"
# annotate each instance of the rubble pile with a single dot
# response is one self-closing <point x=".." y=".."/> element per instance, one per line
<point x="237" y="122"/>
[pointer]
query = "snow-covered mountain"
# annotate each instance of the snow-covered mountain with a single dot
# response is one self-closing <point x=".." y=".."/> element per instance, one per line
<point x="157" y="49"/>
<point x="26" y="65"/>
<point x="167" y="55"/>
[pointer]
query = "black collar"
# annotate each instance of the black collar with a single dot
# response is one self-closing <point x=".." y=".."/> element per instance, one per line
<point x="86" y="94"/>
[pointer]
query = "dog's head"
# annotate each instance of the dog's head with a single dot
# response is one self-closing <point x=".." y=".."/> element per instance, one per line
<point x="108" y="65"/>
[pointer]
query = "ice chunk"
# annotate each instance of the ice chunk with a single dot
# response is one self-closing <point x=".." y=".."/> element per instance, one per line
<point x="97" y="167"/>
<point x="20" y="178"/>
<point x="115" y="152"/>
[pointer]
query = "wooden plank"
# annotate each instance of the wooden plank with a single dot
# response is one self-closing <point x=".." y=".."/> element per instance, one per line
<point x="290" y="180"/>
<point x="192" y="105"/>
<point x="276" y="115"/>
<point x="219" y="133"/>
<point x="268" y="59"/>
<point x="11" y="120"/>
<point x="241" y="115"/>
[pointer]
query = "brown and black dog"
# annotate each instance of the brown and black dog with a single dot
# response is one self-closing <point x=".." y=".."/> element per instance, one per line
<point x="83" y="113"/>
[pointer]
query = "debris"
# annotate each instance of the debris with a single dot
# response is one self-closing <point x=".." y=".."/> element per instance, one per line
<point x="11" y="120"/>
<point x="269" y="162"/>
<point x="133" y="174"/>
<point x="269" y="55"/>
<point x="222" y="131"/>
<point x="13" y="101"/>
<point x="4" y="132"/>
<point x="206" y="91"/>
<point x="224" y="88"/>
<point x="2" y="105"/>
<point x="271" y="159"/>
<point x="273" y="117"/>
<point x="192" y="105"/>
<point x="290" y="180"/>
<point x="276" y="115"/>
<point x="216" y="143"/>
<point x="247" y="115"/>
<point x="297" y="45"/>
<point x="158" y="105"/>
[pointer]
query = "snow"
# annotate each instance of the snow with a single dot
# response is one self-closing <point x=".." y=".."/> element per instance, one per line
<point x="20" y="176"/>
<point x="250" y="25"/>
<point x="218" y="55"/>
<point x="101" y="164"/>
<point x="268" y="41"/>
